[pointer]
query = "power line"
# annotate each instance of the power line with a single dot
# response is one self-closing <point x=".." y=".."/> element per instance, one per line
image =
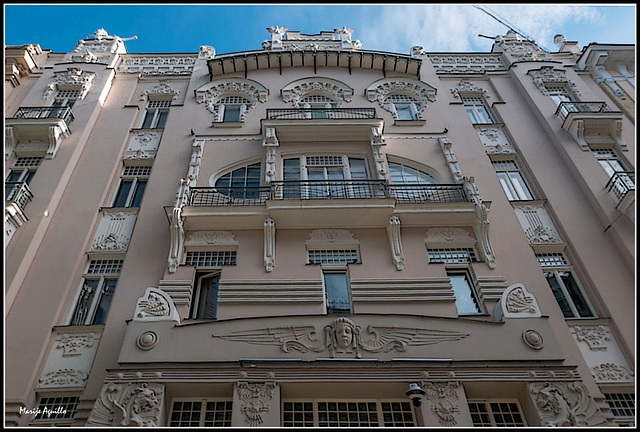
<point x="505" y="23"/>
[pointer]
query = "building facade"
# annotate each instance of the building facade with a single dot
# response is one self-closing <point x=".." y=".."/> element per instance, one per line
<point x="316" y="234"/>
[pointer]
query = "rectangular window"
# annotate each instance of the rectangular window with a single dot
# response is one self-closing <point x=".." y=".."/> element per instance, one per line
<point x="210" y="258"/>
<point x="205" y="304"/>
<point x="564" y="285"/>
<point x="477" y="110"/>
<point x="332" y="257"/>
<point x="98" y="288"/>
<point x="496" y="413"/>
<point x="200" y="413"/>
<point x="622" y="180"/>
<point x="466" y="301"/>
<point x="57" y="408"/>
<point x="512" y="180"/>
<point x="347" y="414"/>
<point x="461" y="255"/>
<point x="336" y="288"/>
<point x="623" y="407"/>
<point x="132" y="185"/>
<point x="156" y="115"/>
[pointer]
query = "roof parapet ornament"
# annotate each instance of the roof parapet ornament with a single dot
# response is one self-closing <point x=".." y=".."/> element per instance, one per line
<point x="339" y="39"/>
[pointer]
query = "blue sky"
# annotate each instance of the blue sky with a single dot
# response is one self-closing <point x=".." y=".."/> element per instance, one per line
<point x="382" y="27"/>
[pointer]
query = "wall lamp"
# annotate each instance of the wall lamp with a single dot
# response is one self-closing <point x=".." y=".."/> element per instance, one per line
<point x="415" y="393"/>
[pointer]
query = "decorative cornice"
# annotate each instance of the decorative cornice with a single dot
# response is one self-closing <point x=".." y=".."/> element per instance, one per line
<point x="334" y="89"/>
<point x="75" y="78"/>
<point x="157" y="65"/>
<point x="466" y="87"/>
<point x="161" y="89"/>
<point x="547" y="74"/>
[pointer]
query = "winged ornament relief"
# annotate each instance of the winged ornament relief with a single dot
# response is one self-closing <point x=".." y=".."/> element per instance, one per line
<point x="343" y="336"/>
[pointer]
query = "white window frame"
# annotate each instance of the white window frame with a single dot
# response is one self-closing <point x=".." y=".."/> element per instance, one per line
<point x="611" y="163"/>
<point x="513" y="181"/>
<point x="157" y="112"/>
<point x="477" y="109"/>
<point x="467" y="293"/>
<point x="555" y="268"/>
<point x="202" y="421"/>
<point x="221" y="105"/>
<point x="627" y="402"/>
<point x="406" y="406"/>
<point x="198" y="311"/>
<point x="322" y="101"/>
<point x="492" y="415"/>
<point x="333" y="270"/>
<point x="55" y="406"/>
<point x="409" y="104"/>
<point x="136" y="179"/>
<point x="101" y="278"/>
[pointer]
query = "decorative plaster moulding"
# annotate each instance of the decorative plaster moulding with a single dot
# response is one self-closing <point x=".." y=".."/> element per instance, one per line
<point x="175" y="65"/>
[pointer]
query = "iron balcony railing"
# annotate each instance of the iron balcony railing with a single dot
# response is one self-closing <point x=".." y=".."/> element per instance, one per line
<point x="327" y="189"/>
<point x="18" y="192"/>
<point x="622" y="182"/>
<point x="321" y="113"/>
<point x="63" y="113"/>
<point x="565" y="108"/>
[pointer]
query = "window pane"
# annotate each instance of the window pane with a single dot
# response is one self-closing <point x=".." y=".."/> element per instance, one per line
<point x="108" y="288"/>
<point x="137" y="197"/>
<point x="123" y="193"/>
<point x="337" y="293"/>
<point x="231" y="113"/>
<point x="465" y="301"/>
<point x="208" y="298"/>
<point x="519" y="185"/>
<point x="507" y="186"/>
<point x="148" y="118"/>
<point x="358" y="168"/>
<point x="14" y="176"/>
<point x="404" y="111"/>
<point x="88" y="292"/>
<point x="161" y="118"/>
<point x="557" y="292"/>
<point x="576" y="295"/>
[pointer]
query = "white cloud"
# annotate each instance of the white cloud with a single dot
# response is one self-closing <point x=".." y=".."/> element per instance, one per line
<point x="440" y="28"/>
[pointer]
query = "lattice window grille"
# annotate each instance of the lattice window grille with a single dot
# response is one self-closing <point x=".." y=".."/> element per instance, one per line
<point x="55" y="408"/>
<point x="621" y="404"/>
<point x="324" y="161"/>
<point x="400" y="98"/>
<point x="555" y="259"/>
<point x="451" y="255"/>
<point x="496" y="413"/>
<point x="507" y="165"/>
<point x="234" y="100"/>
<point x="159" y="104"/>
<point x="137" y="171"/>
<point x="210" y="258"/>
<point x="473" y="101"/>
<point x="602" y="153"/>
<point x="68" y="94"/>
<point x="201" y="414"/>
<point x="27" y="162"/>
<point x="316" y="99"/>
<point x="333" y="256"/>
<point x="105" y="267"/>
<point x="347" y="414"/>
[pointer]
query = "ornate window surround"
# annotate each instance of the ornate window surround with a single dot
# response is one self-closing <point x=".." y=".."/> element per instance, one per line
<point x="212" y="92"/>
<point x="335" y="90"/>
<point x="380" y="90"/>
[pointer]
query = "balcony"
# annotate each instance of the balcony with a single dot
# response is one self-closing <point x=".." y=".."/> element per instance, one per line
<point x="318" y="203"/>
<point x="38" y="131"/>
<point x="322" y="124"/>
<point x="623" y="185"/>
<point x="18" y="193"/>
<point x="590" y="123"/>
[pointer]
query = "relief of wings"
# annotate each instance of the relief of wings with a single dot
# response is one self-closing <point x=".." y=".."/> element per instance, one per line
<point x="300" y="338"/>
<point x="387" y="338"/>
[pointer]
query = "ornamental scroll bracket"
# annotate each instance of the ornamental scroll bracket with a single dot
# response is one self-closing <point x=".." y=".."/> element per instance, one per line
<point x="481" y="226"/>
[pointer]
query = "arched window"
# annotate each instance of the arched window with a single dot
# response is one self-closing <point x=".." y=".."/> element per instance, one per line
<point x="231" y="108"/>
<point x="242" y="183"/>
<point x="403" y="107"/>
<point x="404" y="98"/>
<point x="403" y="174"/>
